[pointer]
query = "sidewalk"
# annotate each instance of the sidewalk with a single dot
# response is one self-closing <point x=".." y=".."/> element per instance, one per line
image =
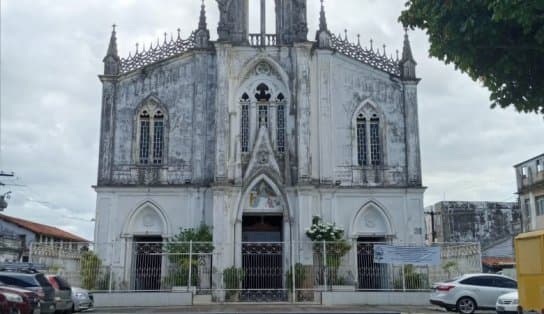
<point x="284" y="308"/>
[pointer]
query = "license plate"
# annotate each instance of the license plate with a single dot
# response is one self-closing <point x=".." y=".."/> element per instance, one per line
<point x="500" y="308"/>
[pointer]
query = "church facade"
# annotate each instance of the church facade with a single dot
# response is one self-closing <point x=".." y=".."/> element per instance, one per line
<point x="254" y="135"/>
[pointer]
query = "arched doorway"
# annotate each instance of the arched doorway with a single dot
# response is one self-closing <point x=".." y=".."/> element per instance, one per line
<point x="262" y="248"/>
<point x="148" y="226"/>
<point x="371" y="226"/>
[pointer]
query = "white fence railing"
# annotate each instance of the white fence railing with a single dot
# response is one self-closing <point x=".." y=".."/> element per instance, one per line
<point x="248" y="271"/>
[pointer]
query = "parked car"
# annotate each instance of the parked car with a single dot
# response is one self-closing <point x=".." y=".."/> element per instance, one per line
<point x="10" y="303"/>
<point x="508" y="303"/>
<point x="83" y="299"/>
<point x="471" y="292"/>
<point x="63" y="294"/>
<point x="31" y="301"/>
<point x="35" y="282"/>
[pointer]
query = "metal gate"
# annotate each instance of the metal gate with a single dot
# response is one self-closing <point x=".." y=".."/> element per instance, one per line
<point x="372" y="276"/>
<point x="147" y="266"/>
<point x="262" y="264"/>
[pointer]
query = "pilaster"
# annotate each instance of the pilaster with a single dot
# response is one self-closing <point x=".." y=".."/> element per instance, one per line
<point x="413" y="155"/>
<point x="303" y="110"/>
<point x="105" y="159"/>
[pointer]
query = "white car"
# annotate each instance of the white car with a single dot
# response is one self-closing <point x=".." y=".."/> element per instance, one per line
<point x="83" y="299"/>
<point x="507" y="303"/>
<point x="471" y="292"/>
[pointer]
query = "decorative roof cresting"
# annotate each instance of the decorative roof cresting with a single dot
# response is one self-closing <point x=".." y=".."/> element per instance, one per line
<point x="369" y="56"/>
<point x="167" y="49"/>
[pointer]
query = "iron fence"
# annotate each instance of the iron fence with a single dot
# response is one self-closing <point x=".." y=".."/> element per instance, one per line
<point x="247" y="271"/>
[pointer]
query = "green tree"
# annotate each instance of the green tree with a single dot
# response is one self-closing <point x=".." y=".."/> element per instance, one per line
<point x="179" y="249"/>
<point x="498" y="42"/>
<point x="90" y="265"/>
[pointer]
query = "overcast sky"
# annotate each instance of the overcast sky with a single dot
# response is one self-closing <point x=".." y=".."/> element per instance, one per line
<point x="51" y="54"/>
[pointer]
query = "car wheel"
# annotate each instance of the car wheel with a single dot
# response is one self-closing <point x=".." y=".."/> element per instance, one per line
<point x="466" y="305"/>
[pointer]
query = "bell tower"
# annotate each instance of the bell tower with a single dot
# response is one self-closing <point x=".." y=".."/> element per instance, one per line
<point x="291" y="22"/>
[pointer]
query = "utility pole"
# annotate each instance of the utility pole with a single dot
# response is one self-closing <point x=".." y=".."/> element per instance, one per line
<point x="432" y="213"/>
<point x="4" y="197"/>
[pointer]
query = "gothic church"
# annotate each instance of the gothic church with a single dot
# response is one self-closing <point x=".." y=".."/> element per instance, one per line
<point x="254" y="134"/>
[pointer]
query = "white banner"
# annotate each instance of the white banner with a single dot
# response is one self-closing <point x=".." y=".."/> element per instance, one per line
<point x="400" y="255"/>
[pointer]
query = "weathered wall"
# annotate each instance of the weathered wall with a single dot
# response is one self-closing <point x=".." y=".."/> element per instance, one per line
<point x="484" y="222"/>
<point x="351" y="85"/>
<point x="186" y="88"/>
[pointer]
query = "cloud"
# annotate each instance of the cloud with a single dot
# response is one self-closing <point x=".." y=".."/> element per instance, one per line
<point x="51" y="53"/>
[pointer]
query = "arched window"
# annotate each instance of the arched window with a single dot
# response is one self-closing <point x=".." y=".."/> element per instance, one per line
<point x="361" y="140"/>
<point x="375" y="156"/>
<point x="280" y="123"/>
<point x="158" y="137"/>
<point x="263" y="104"/>
<point x="151" y="131"/>
<point x="244" y="124"/>
<point x="368" y="138"/>
<point x="144" y="137"/>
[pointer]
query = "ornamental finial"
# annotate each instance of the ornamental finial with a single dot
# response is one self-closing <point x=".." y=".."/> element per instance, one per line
<point x="407" y="63"/>
<point x="322" y="18"/>
<point x="112" y="62"/>
<point x="406" y="49"/>
<point x="202" y="21"/>
<point x="112" y="47"/>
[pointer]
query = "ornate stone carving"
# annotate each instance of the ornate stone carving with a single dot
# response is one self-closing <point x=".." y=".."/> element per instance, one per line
<point x="262" y="157"/>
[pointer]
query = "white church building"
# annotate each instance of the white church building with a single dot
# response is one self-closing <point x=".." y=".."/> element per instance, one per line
<point x="254" y="134"/>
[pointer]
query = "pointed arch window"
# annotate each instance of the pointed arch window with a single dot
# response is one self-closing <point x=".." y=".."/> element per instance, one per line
<point x="368" y="141"/>
<point x="244" y="123"/>
<point x="158" y="137"/>
<point x="361" y="140"/>
<point x="151" y="135"/>
<point x="280" y="121"/>
<point x="375" y="155"/>
<point x="263" y="104"/>
<point x="144" y="137"/>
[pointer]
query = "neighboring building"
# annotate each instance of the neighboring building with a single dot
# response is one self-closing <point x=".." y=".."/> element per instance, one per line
<point x="489" y="223"/>
<point x="530" y="180"/>
<point x="19" y="236"/>
<point x="253" y="134"/>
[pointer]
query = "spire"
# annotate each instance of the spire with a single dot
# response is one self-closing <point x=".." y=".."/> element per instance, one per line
<point x="112" y="48"/>
<point x="202" y="22"/>
<point x="407" y="63"/>
<point x="406" y="49"/>
<point x="322" y="18"/>
<point x="323" y="36"/>
<point x="202" y="33"/>
<point x="112" y="62"/>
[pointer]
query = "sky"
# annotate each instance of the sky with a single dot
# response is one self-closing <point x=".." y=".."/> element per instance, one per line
<point x="51" y="53"/>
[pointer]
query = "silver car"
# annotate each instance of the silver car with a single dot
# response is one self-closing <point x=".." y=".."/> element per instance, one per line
<point x="83" y="299"/>
<point x="471" y="292"/>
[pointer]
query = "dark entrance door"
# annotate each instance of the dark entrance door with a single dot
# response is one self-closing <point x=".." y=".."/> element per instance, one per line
<point x="262" y="258"/>
<point x="147" y="262"/>
<point x="372" y="276"/>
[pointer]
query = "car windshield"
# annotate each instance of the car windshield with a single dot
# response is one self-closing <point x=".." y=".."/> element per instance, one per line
<point x="63" y="284"/>
<point x="43" y="281"/>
